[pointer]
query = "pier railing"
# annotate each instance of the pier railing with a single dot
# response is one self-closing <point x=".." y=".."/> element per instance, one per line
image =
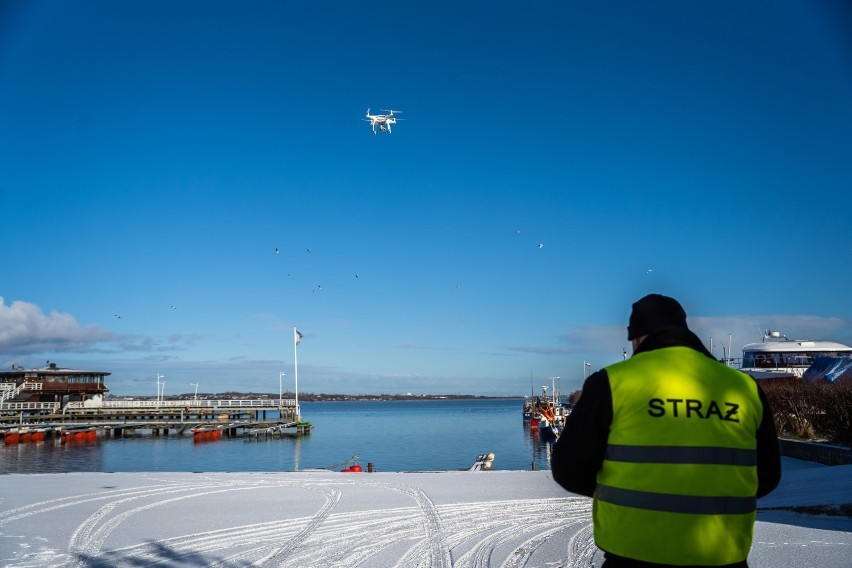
<point x="178" y="404"/>
<point x="41" y="406"/>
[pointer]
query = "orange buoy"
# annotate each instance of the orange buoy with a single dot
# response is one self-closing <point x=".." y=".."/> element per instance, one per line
<point x="356" y="468"/>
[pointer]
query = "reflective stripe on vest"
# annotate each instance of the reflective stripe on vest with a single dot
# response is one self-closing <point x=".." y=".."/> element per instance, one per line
<point x="677" y="503"/>
<point x="669" y="454"/>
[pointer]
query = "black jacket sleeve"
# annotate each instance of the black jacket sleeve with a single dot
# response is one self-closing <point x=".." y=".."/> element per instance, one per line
<point x="768" y="451"/>
<point x="579" y="452"/>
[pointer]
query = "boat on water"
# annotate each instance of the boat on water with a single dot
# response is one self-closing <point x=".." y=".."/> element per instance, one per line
<point x="547" y="413"/>
<point x="528" y="409"/>
<point x="777" y="357"/>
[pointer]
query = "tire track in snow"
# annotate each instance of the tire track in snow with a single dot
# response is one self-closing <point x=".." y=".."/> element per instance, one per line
<point x="513" y="533"/>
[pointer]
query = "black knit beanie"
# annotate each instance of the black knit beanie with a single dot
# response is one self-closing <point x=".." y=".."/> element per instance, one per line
<point x="652" y="312"/>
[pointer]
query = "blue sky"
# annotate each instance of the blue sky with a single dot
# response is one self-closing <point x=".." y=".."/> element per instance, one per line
<point x="155" y="154"/>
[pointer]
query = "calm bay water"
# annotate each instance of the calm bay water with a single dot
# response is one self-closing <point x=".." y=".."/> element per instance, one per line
<point x="394" y="436"/>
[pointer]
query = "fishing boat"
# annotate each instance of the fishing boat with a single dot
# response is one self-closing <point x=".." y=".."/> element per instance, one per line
<point x="777" y="357"/>
<point x="549" y="413"/>
<point x="527" y="410"/>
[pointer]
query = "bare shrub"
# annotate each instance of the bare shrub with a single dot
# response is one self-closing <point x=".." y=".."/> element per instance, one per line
<point x="811" y="410"/>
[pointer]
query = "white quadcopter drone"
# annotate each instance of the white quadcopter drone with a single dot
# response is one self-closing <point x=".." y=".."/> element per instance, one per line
<point x="382" y="121"/>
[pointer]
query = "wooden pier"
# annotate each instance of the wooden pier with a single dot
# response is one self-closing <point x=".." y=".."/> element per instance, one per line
<point x="204" y="419"/>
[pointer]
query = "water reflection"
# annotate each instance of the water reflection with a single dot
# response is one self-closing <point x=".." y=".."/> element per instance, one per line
<point x="541" y="447"/>
<point x="51" y="456"/>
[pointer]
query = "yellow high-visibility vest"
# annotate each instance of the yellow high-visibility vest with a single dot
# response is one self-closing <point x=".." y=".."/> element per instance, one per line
<point x="679" y="479"/>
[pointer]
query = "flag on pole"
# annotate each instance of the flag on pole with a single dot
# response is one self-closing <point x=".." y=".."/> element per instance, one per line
<point x="298" y="336"/>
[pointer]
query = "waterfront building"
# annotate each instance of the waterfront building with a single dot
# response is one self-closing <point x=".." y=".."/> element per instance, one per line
<point x="51" y="384"/>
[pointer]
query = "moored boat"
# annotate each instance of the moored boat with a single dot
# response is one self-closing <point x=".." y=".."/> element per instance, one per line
<point x="549" y="413"/>
<point x="527" y="410"/>
<point x="777" y="357"/>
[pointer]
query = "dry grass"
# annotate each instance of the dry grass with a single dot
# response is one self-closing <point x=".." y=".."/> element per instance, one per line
<point x="812" y="411"/>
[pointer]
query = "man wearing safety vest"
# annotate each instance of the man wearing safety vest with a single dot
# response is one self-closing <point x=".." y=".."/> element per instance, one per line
<point x="674" y="447"/>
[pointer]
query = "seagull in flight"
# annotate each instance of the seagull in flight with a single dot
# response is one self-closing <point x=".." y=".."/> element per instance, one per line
<point x="649" y="271"/>
<point x="118" y="316"/>
<point x="307" y="250"/>
<point x="541" y="245"/>
<point x="173" y="307"/>
<point x="318" y="288"/>
<point x="277" y="251"/>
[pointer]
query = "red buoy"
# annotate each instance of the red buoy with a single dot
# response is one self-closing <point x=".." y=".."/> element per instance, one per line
<point x="356" y="468"/>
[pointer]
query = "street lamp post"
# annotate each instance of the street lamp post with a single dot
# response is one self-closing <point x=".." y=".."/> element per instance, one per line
<point x="196" y="391"/>
<point x="281" y="389"/>
<point x="159" y="395"/>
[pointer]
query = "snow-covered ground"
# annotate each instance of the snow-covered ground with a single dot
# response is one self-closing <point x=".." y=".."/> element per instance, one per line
<point x="497" y="518"/>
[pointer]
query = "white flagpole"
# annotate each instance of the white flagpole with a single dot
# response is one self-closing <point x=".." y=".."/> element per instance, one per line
<point x="296" y="371"/>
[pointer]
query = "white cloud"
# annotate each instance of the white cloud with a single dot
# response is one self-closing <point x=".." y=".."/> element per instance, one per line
<point x="738" y="330"/>
<point x="26" y="330"/>
<point x="606" y="343"/>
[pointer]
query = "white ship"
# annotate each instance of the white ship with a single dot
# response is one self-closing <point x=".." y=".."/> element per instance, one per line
<point x="777" y="357"/>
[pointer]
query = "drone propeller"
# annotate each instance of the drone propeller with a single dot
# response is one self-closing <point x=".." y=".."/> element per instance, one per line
<point x="392" y="111"/>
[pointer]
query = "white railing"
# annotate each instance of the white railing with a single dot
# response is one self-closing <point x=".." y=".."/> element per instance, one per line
<point x="177" y="404"/>
<point x="54" y="406"/>
<point x="9" y="393"/>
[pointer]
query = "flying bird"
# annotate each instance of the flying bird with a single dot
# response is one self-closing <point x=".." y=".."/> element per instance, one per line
<point x="277" y="251"/>
<point x="541" y="245"/>
<point x="307" y="250"/>
<point x="356" y="276"/>
<point x="173" y="307"/>
<point x="649" y="271"/>
<point x="118" y="316"/>
<point x="318" y="288"/>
